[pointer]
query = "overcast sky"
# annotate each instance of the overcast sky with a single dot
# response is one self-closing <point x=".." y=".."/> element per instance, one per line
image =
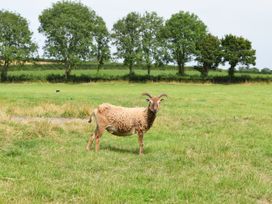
<point x="249" y="18"/>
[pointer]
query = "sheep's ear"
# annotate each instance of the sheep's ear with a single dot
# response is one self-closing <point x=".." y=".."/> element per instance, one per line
<point x="161" y="99"/>
<point x="149" y="100"/>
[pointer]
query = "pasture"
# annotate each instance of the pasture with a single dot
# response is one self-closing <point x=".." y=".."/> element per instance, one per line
<point x="209" y="144"/>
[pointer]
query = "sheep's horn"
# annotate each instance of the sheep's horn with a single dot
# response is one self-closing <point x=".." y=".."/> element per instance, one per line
<point x="163" y="95"/>
<point x="147" y="94"/>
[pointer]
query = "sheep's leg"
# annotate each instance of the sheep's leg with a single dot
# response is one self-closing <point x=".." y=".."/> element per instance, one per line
<point x="90" y="142"/>
<point x="141" y="142"/>
<point x="97" y="138"/>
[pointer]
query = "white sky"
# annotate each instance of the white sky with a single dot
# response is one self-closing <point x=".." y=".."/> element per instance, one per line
<point x="249" y="18"/>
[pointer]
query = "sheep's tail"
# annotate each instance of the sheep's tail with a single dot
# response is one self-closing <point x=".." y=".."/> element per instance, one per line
<point x="92" y="116"/>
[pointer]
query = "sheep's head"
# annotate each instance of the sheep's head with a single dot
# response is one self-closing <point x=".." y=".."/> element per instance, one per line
<point x="154" y="102"/>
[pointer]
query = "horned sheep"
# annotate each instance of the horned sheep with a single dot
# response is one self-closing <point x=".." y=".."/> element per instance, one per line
<point x="123" y="121"/>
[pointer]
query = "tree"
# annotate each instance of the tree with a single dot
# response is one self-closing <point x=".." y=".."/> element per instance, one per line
<point x="162" y="56"/>
<point x="209" y="54"/>
<point x="182" y="31"/>
<point x="101" y="49"/>
<point x="150" y="39"/>
<point x="68" y="27"/>
<point x="15" y="41"/>
<point x="126" y="38"/>
<point x="237" y="50"/>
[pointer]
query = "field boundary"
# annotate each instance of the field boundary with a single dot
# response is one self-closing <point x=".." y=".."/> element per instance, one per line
<point x="83" y="78"/>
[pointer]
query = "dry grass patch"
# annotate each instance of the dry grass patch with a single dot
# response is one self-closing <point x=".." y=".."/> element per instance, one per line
<point x="46" y="109"/>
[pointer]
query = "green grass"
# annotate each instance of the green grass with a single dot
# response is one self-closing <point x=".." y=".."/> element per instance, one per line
<point x="209" y="144"/>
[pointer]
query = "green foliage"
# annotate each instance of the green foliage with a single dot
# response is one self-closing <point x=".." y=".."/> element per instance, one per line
<point x="237" y="50"/>
<point x="266" y="71"/>
<point x="153" y="49"/>
<point x="68" y="27"/>
<point x="182" y="32"/>
<point x="126" y="38"/>
<point x="248" y="70"/>
<point x="101" y="49"/>
<point x="209" y="54"/>
<point x="74" y="33"/>
<point x="15" y="41"/>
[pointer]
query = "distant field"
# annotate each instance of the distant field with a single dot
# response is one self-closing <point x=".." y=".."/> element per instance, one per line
<point x="209" y="144"/>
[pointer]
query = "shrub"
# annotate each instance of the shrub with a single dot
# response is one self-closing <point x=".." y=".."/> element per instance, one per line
<point x="249" y="70"/>
<point x="83" y="78"/>
<point x="266" y="71"/>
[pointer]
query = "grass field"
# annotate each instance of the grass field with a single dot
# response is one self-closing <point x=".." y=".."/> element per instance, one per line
<point x="209" y="144"/>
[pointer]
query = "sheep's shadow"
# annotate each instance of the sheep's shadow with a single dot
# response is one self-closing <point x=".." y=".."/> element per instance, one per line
<point x="124" y="150"/>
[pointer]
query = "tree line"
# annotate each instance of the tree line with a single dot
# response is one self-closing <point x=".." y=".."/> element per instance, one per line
<point x="75" y="33"/>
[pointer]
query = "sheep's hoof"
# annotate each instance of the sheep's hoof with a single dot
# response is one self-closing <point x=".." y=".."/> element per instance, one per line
<point x="87" y="148"/>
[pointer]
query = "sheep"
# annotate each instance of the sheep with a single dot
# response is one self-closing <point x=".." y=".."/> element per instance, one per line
<point x="123" y="121"/>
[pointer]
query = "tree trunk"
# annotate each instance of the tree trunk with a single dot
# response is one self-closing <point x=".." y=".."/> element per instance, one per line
<point x="131" y="72"/>
<point x="181" y="70"/>
<point x="67" y="72"/>
<point x="148" y="69"/>
<point x="180" y="60"/>
<point x="205" y="71"/>
<point x="231" y="71"/>
<point x="148" y="61"/>
<point x="100" y="62"/>
<point x="4" y="72"/>
<point x="98" y="67"/>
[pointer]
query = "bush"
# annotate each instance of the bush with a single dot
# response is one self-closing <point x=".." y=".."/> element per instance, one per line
<point x="266" y="71"/>
<point x="24" y="77"/>
<point x="248" y="70"/>
<point x="166" y="77"/>
<point x="83" y="78"/>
